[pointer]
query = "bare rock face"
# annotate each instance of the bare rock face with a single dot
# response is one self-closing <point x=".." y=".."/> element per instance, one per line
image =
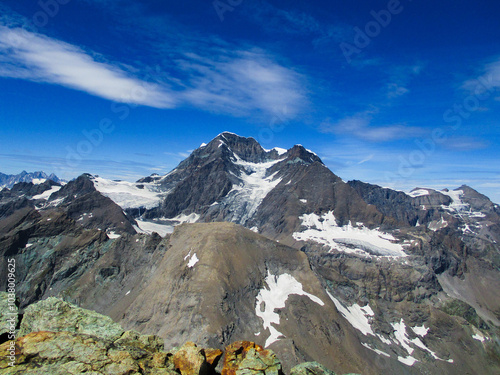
<point x="75" y="353"/>
<point x="248" y="358"/>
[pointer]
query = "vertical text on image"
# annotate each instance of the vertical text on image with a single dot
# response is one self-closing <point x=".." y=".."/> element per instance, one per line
<point x="11" y="312"/>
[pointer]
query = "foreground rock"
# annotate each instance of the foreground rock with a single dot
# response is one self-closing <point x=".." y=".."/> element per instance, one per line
<point x="248" y="358"/>
<point x="75" y="353"/>
<point x="61" y="338"/>
<point x="54" y="314"/>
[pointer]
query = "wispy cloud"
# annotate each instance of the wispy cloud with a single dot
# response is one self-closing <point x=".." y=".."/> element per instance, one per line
<point x="34" y="57"/>
<point x="221" y="78"/>
<point x="288" y="21"/>
<point x="368" y="158"/>
<point x="464" y="144"/>
<point x="400" y="78"/>
<point x="242" y="82"/>
<point x="489" y="80"/>
<point x="360" y="126"/>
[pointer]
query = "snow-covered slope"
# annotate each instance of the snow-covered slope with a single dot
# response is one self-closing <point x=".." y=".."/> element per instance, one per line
<point x="254" y="184"/>
<point x="129" y="194"/>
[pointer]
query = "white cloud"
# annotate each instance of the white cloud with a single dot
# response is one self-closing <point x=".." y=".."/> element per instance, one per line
<point x="488" y="81"/>
<point x="242" y="82"/>
<point x="368" y="158"/>
<point x="395" y="90"/>
<point x="465" y="143"/>
<point x="238" y="82"/>
<point x="359" y="126"/>
<point x="38" y="58"/>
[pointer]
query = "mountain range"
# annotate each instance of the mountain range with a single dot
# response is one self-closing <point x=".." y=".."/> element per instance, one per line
<point x="9" y="180"/>
<point x="243" y="243"/>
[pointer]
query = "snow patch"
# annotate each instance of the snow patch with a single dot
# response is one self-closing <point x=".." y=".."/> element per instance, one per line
<point x="437" y="224"/>
<point x="127" y="293"/>
<point x="479" y="337"/>
<point x="477" y="214"/>
<point x="456" y="205"/>
<point x="280" y="151"/>
<point x="405" y="341"/>
<point x="418" y="193"/>
<point x="112" y="235"/>
<point x="150" y="227"/>
<point x="303" y="200"/>
<point x="325" y="230"/>
<point x="356" y="315"/>
<point x="128" y="194"/>
<point x="28" y="245"/>
<point x="421" y="331"/>
<point x="279" y="288"/>
<point x="194" y="259"/>
<point x="379" y="352"/>
<point x="408" y="361"/>
<point x="38" y="181"/>
<point x="183" y="218"/>
<point x="46" y="194"/>
<point x="244" y="199"/>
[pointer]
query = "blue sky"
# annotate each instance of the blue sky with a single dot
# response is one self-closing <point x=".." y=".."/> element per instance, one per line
<point x="397" y="93"/>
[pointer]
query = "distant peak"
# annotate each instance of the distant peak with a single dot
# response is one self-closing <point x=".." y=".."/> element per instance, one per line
<point x="304" y="154"/>
<point x="229" y="135"/>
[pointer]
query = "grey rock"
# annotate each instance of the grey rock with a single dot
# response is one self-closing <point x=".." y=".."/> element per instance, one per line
<point x="55" y="315"/>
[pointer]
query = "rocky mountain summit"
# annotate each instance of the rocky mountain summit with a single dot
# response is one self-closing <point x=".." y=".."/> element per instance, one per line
<point x="239" y="243"/>
<point x="60" y="338"/>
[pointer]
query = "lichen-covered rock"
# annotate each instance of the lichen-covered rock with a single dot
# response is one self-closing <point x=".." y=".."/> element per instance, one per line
<point x="310" y="368"/>
<point x="75" y="353"/>
<point x="54" y="314"/>
<point x="147" y="342"/>
<point x="213" y="356"/>
<point x="191" y="360"/>
<point x="248" y="358"/>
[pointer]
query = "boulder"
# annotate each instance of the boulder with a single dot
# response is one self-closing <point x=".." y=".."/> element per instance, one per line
<point x="75" y="353"/>
<point x="191" y="360"/>
<point x="310" y="368"/>
<point x="54" y="314"/>
<point x="146" y="342"/>
<point x="248" y="358"/>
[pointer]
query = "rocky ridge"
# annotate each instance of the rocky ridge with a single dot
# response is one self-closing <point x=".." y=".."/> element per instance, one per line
<point x="8" y="181"/>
